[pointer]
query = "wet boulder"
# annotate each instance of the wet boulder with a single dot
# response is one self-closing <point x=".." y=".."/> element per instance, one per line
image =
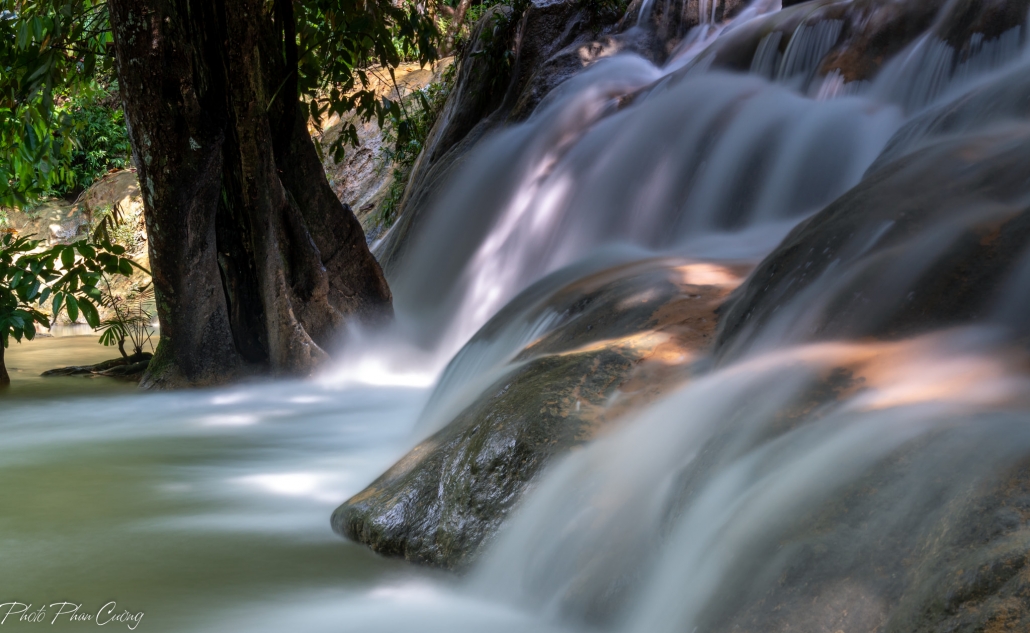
<point x="616" y="339"/>
<point x="996" y="102"/>
<point x="934" y="239"/>
<point x="913" y="546"/>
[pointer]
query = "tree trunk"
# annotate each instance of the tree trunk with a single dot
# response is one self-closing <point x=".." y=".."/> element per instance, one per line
<point x="257" y="266"/>
<point x="5" y="379"/>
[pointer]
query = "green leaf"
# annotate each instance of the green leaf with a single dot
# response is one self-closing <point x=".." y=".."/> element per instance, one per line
<point x="73" y="308"/>
<point x="68" y="257"/>
<point x="125" y="267"/>
<point x="107" y="338"/>
<point x="90" y="312"/>
<point x="33" y="291"/>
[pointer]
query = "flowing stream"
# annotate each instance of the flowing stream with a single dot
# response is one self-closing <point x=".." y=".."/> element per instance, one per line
<point x="209" y="510"/>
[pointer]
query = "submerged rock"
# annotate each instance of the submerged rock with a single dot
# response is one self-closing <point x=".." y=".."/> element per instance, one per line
<point x="911" y="546"/>
<point x="621" y="337"/>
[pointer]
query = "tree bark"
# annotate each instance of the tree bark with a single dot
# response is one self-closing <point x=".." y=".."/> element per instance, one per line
<point x="5" y="378"/>
<point x="257" y="266"/>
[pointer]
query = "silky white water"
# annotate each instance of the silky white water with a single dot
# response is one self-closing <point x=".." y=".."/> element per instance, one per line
<point x="209" y="510"/>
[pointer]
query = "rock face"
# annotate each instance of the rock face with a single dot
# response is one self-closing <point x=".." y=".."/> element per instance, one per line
<point x="550" y="42"/>
<point x="478" y="91"/>
<point x="623" y="337"/>
<point x="950" y="545"/>
<point x="852" y="38"/>
<point x="116" y="196"/>
<point x="847" y="44"/>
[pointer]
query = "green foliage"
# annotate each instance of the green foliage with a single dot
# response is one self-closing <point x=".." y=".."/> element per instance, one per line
<point x="130" y="320"/>
<point x="337" y="40"/>
<point x="65" y="275"/>
<point x="101" y="143"/>
<point x="50" y="53"/>
<point x="474" y="14"/>
<point x="608" y="10"/>
<point x="20" y="283"/>
<point x="108" y="225"/>
<point x="55" y="54"/>
<point x="423" y="108"/>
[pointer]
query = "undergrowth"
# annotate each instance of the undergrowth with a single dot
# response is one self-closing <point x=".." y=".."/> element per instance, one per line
<point x="421" y="110"/>
<point x="100" y="142"/>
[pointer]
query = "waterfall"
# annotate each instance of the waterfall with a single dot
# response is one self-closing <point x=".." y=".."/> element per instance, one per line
<point x="708" y="499"/>
<point x="695" y="157"/>
<point x="850" y="452"/>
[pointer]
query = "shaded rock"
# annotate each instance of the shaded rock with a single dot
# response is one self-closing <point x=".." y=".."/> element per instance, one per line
<point x="555" y="41"/>
<point x="804" y="503"/>
<point x="478" y="91"/>
<point x="931" y="240"/>
<point x="669" y="21"/>
<point x="989" y="18"/>
<point x="949" y="552"/>
<point x="622" y="337"/>
<point x="852" y="38"/>
<point x="1003" y="99"/>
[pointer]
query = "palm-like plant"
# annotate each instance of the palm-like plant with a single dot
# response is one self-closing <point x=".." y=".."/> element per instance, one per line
<point x="131" y="320"/>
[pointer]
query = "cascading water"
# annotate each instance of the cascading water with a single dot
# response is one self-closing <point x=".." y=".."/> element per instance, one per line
<point x="696" y="158"/>
<point x="794" y="485"/>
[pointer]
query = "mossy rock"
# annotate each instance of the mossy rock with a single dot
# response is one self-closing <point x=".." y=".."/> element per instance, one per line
<point x="622" y="337"/>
